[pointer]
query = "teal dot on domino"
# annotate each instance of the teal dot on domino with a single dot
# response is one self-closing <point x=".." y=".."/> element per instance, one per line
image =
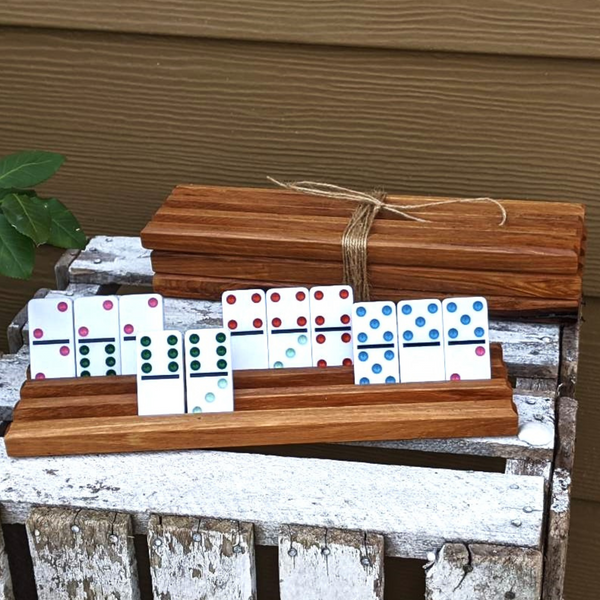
<point x="465" y="319"/>
<point x="362" y="337"/>
<point x="376" y="368"/>
<point x="362" y="356"/>
<point x="222" y="383"/>
<point x="195" y="352"/>
<point x="453" y="333"/>
<point x="389" y="355"/>
<point x="478" y="305"/>
<point x="196" y="410"/>
<point x="420" y="321"/>
<point x="302" y="340"/>
<point x="194" y="338"/>
<point x="479" y="331"/>
<point x="406" y="309"/>
<point x="434" y="334"/>
<point x="408" y="335"/>
<point x="451" y="307"/>
<point x="278" y="365"/>
<point x="361" y="311"/>
<point x="390" y="379"/>
<point x="210" y="397"/>
<point x="374" y="324"/>
<point x="290" y="353"/>
<point x="364" y="381"/>
<point x="387" y="310"/>
<point x="388" y="336"/>
<point x="432" y="308"/>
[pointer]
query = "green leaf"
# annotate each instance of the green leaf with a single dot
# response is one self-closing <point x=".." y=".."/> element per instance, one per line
<point x="8" y="191"/>
<point x="65" y="230"/>
<point x="30" y="216"/>
<point x="27" y="169"/>
<point x="17" y="252"/>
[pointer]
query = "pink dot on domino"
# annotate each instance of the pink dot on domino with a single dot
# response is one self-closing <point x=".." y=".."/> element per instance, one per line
<point x="40" y="376"/>
<point x="107" y="305"/>
<point x="62" y="306"/>
<point x="128" y="329"/>
<point x="64" y="351"/>
<point x="153" y="302"/>
<point x="38" y="333"/>
<point x="455" y="377"/>
<point x="83" y="331"/>
<point x="480" y="351"/>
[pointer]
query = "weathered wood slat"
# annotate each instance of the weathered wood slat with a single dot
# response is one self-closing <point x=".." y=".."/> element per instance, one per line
<point x="6" y="589"/>
<point x="13" y="369"/>
<point x="507" y="28"/>
<point x="317" y="563"/>
<point x="193" y="558"/>
<point x="483" y="572"/>
<point x="415" y="509"/>
<point x="82" y="554"/>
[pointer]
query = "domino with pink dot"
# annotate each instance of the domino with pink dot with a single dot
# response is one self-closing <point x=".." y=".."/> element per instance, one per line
<point x="137" y="312"/>
<point x="466" y="338"/>
<point x="330" y="312"/>
<point x="98" y="350"/>
<point x="52" y="340"/>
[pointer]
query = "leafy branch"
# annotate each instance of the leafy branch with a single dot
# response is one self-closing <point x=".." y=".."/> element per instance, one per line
<point x="28" y="220"/>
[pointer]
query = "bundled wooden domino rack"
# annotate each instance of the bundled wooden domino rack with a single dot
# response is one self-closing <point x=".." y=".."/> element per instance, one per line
<point x="206" y="240"/>
<point x="96" y="415"/>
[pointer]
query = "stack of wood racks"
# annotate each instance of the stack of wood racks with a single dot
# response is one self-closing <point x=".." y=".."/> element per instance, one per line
<point x="206" y="240"/>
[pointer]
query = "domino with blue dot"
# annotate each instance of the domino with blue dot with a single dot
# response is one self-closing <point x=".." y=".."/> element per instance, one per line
<point x="375" y="343"/>
<point x="466" y="338"/>
<point x="208" y="374"/>
<point x="420" y="341"/>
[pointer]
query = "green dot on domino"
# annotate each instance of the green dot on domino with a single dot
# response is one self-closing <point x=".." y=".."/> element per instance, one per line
<point x="221" y="351"/>
<point x="172" y="340"/>
<point x="194" y="338"/>
<point x="85" y="374"/>
<point x="84" y="350"/>
<point x="110" y="361"/>
<point x="111" y="372"/>
<point x="146" y="367"/>
<point x="195" y="352"/>
<point x="145" y="341"/>
<point x="220" y="337"/>
<point x="173" y="366"/>
<point x="109" y="349"/>
<point x="222" y="364"/>
<point x="84" y="362"/>
<point x="173" y="353"/>
<point x="194" y="365"/>
<point x="146" y="354"/>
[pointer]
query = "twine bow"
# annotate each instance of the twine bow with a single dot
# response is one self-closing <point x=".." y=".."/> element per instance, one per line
<point x="356" y="234"/>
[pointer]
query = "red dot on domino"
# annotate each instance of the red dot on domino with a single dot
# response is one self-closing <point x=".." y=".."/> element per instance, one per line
<point x="480" y="350"/>
<point x="344" y="294"/>
<point x="346" y="337"/>
<point x="230" y="299"/>
<point x="107" y="305"/>
<point x="232" y="324"/>
<point x="347" y="362"/>
<point x="321" y="363"/>
<point x="38" y="333"/>
<point x="153" y="302"/>
<point x="62" y="306"/>
<point x="128" y="329"/>
<point x="276" y="322"/>
<point x="64" y="351"/>
<point x="275" y="297"/>
<point x="345" y="319"/>
<point x="256" y="298"/>
<point x="319" y="295"/>
<point x="455" y="377"/>
<point x="257" y="323"/>
<point x="320" y="339"/>
<point x="300" y="296"/>
<point x="83" y="331"/>
<point x="319" y="320"/>
<point x="301" y="321"/>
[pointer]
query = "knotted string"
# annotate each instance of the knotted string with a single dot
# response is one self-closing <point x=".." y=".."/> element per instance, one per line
<point x="356" y="234"/>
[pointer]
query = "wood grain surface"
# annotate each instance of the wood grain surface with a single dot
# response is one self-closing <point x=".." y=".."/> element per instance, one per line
<point x="510" y="27"/>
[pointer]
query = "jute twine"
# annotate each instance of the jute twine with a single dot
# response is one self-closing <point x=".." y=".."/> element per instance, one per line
<point x="356" y="234"/>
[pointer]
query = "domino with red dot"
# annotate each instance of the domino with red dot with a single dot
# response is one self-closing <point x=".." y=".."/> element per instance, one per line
<point x="137" y="312"/>
<point x="466" y="338"/>
<point x="375" y="343"/>
<point x="208" y="375"/>
<point x="245" y="317"/>
<point x="289" y="327"/>
<point x="51" y="339"/>
<point x="331" y="315"/>
<point x="98" y="350"/>
<point x="420" y="341"/>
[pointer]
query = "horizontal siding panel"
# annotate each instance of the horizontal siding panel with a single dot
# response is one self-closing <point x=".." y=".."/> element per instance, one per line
<point x="540" y="28"/>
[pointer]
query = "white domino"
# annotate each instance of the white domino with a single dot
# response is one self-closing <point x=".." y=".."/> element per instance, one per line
<point x="466" y="338"/>
<point x="51" y="338"/>
<point x="331" y="316"/>
<point x="137" y="312"/>
<point x="288" y="317"/>
<point x="97" y="336"/>
<point x="375" y="343"/>
<point x="160" y="373"/>
<point x="245" y="317"/>
<point x="208" y="375"/>
<point x="420" y="341"/>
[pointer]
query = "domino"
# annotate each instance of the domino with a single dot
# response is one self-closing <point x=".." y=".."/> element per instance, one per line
<point x="51" y="339"/>
<point x="375" y="343"/>
<point x="96" y="321"/>
<point x="137" y="312"/>
<point x="208" y="375"/>
<point x="420" y="341"/>
<point x="289" y="333"/>
<point x="331" y="316"/>
<point x="245" y="317"/>
<point x="160" y="373"/>
<point x="466" y="339"/>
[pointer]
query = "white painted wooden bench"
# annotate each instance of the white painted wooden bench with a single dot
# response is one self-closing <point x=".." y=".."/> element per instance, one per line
<point x="481" y="534"/>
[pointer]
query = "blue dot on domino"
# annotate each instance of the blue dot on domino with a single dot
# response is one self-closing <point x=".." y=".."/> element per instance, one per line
<point x="434" y="334"/>
<point x="361" y="311"/>
<point x="453" y="333"/>
<point x="389" y="355"/>
<point x="432" y="308"/>
<point x="407" y="335"/>
<point x="465" y="319"/>
<point x="388" y="336"/>
<point x="420" y="321"/>
<point x="376" y="368"/>
<point x="222" y="383"/>
<point x="479" y="331"/>
<point x="406" y="309"/>
<point x="302" y="339"/>
<point x="478" y="305"/>
<point x="374" y="324"/>
<point x="387" y="310"/>
<point x="362" y="337"/>
<point x="390" y="379"/>
<point x="451" y="307"/>
<point x="363" y="356"/>
<point x="364" y="381"/>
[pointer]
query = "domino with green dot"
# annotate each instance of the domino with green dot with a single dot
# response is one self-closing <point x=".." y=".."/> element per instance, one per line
<point x="208" y="371"/>
<point x="160" y="373"/>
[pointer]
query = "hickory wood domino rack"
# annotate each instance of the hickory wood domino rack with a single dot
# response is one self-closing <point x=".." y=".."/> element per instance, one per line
<point x="337" y="518"/>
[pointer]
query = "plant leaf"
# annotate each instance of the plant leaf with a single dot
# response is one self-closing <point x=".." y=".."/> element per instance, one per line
<point x="65" y="231"/>
<point x="26" y="169"/>
<point x="29" y="215"/>
<point x="17" y="252"/>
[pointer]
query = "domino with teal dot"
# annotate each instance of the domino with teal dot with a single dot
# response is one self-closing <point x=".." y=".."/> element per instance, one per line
<point x="375" y="343"/>
<point x="466" y="338"/>
<point x="160" y="373"/>
<point x="208" y="371"/>
<point x="420" y="341"/>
